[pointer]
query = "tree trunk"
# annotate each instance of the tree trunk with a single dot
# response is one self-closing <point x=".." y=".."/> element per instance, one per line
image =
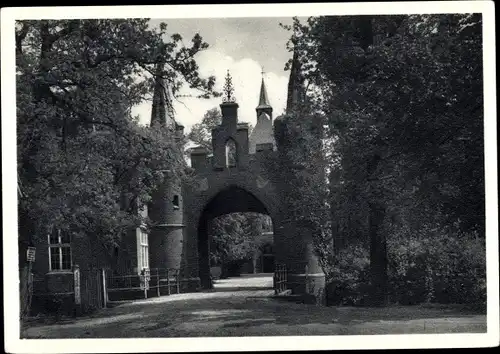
<point x="378" y="256"/>
<point x="378" y="247"/>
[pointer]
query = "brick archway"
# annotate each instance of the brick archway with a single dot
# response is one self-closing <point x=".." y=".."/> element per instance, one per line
<point x="228" y="200"/>
<point x="218" y="189"/>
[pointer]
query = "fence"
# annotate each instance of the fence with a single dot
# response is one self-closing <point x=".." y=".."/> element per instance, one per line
<point x="26" y="291"/>
<point x="152" y="282"/>
<point x="280" y="278"/>
<point x="92" y="294"/>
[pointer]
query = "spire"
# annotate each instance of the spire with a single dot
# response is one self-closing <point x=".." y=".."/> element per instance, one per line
<point x="161" y="111"/>
<point x="228" y="89"/>
<point x="229" y="107"/>
<point x="296" y="90"/>
<point x="264" y="105"/>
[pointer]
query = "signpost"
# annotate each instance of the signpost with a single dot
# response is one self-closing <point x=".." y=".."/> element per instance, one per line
<point x="145" y="277"/>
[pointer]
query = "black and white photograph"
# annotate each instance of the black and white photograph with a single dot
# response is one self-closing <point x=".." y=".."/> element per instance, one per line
<point x="249" y="177"/>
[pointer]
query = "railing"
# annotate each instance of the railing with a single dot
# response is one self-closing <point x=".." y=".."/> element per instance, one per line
<point x="91" y="290"/>
<point x="156" y="281"/>
<point x="280" y="279"/>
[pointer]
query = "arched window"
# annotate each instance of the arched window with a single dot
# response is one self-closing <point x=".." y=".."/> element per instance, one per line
<point x="231" y="155"/>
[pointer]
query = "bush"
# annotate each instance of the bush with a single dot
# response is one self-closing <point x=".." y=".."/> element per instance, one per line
<point x="428" y="266"/>
<point x="436" y="266"/>
<point x="348" y="277"/>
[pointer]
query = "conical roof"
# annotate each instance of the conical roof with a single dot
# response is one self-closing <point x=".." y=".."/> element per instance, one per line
<point x="296" y="90"/>
<point x="161" y="110"/>
<point x="263" y="99"/>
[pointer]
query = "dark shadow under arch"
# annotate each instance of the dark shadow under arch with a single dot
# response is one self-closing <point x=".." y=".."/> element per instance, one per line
<point x="232" y="199"/>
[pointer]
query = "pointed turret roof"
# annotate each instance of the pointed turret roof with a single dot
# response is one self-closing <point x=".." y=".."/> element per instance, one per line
<point x="296" y="90"/>
<point x="263" y="99"/>
<point x="161" y="110"/>
<point x="262" y="134"/>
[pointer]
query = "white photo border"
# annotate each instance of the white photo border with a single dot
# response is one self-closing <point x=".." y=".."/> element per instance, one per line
<point x="14" y="344"/>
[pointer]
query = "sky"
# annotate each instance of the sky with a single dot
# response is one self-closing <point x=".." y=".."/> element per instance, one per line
<point x="243" y="46"/>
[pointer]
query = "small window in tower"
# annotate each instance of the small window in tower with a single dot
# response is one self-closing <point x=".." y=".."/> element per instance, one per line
<point x="231" y="157"/>
<point x="175" y="202"/>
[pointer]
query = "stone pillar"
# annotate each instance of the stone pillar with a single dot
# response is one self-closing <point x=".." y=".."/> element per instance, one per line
<point x="304" y="273"/>
<point x="190" y="262"/>
<point x="204" y="254"/>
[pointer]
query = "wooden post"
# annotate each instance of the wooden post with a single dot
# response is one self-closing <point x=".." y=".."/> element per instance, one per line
<point x="307" y="282"/>
<point x="158" y="282"/>
<point x="104" y="288"/>
<point x="178" y="280"/>
<point x="168" y="282"/>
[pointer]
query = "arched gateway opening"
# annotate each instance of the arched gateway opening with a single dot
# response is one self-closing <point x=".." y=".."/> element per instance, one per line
<point x="232" y="199"/>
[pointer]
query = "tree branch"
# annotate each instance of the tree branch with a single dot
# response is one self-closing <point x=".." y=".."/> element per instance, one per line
<point x="20" y="35"/>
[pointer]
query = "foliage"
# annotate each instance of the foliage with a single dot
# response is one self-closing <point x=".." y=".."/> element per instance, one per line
<point x="402" y="97"/>
<point x="301" y="162"/>
<point x="233" y="237"/>
<point x="425" y="266"/>
<point x="201" y="133"/>
<point x="347" y="276"/>
<point x="83" y="161"/>
<point x="432" y="265"/>
<point x="399" y="89"/>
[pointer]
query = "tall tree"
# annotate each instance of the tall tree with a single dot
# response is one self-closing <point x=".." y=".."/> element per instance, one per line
<point x="83" y="160"/>
<point x="403" y="97"/>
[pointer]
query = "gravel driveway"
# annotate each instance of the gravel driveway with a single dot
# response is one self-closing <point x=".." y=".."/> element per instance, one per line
<point x="245" y="307"/>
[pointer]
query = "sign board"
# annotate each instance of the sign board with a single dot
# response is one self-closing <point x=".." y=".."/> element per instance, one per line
<point x="30" y="254"/>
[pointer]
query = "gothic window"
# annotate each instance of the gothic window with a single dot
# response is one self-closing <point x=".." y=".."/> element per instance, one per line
<point x="175" y="202"/>
<point x="142" y="250"/>
<point x="231" y="156"/>
<point x="59" y="250"/>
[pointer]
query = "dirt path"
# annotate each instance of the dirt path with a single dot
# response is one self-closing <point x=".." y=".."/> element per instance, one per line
<point x="245" y="307"/>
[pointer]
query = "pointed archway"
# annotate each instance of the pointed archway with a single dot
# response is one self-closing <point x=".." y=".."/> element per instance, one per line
<point x="232" y="199"/>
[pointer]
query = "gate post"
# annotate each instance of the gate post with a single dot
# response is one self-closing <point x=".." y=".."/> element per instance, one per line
<point x="76" y="287"/>
<point x="104" y="288"/>
<point x="158" y="282"/>
<point x="168" y="282"/>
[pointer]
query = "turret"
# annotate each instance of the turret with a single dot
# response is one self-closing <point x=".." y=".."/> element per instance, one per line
<point x="262" y="138"/>
<point x="166" y="207"/>
<point x="264" y="106"/>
